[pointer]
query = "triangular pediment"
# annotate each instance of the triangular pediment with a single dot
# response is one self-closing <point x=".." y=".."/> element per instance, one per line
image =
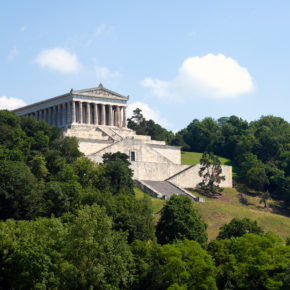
<point x="101" y="92"/>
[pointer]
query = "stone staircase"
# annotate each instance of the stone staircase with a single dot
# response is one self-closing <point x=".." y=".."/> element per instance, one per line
<point x="162" y="189"/>
<point x="111" y="133"/>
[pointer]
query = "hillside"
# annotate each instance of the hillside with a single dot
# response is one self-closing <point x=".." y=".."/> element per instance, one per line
<point x="192" y="158"/>
<point x="217" y="212"/>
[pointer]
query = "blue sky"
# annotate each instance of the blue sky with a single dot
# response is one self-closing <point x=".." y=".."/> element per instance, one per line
<point x="178" y="60"/>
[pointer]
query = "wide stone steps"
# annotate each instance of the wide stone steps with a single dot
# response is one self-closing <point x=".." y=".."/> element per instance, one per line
<point x="162" y="189"/>
<point x="108" y="131"/>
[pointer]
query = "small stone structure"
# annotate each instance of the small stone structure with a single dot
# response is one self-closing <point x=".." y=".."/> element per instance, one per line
<point x="97" y="117"/>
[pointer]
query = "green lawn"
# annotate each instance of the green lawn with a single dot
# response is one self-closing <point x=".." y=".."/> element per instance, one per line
<point x="216" y="212"/>
<point x="192" y="158"/>
<point x="157" y="203"/>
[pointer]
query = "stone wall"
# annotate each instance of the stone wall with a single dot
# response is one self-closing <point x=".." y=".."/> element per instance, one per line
<point x="170" y="152"/>
<point x="143" y="152"/>
<point x="155" y="171"/>
<point x="86" y="132"/>
<point x="189" y="178"/>
<point x="89" y="146"/>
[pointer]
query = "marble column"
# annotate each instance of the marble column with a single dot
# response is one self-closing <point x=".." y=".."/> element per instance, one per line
<point x="68" y="113"/>
<point x="59" y="115"/>
<point x="110" y="115"/>
<point x="48" y="115"/>
<point x="64" y="113"/>
<point x="80" y="112"/>
<point x="115" y="115"/>
<point x="124" y="117"/>
<point x="45" y="115"/>
<point x="53" y="120"/>
<point x="40" y="115"/>
<point x="50" y="121"/>
<point x="88" y="115"/>
<point x="103" y="119"/>
<point x="95" y="114"/>
<point x="118" y="116"/>
<point x="73" y="111"/>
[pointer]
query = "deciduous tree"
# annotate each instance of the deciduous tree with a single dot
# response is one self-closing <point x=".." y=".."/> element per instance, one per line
<point x="210" y="171"/>
<point x="180" y="220"/>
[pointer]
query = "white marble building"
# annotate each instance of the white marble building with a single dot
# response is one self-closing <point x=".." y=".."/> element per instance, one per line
<point x="97" y="117"/>
<point x="97" y="106"/>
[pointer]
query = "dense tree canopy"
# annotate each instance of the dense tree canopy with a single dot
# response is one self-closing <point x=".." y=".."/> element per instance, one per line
<point x="148" y="127"/>
<point x="181" y="265"/>
<point x="69" y="223"/>
<point x="180" y="220"/>
<point x="261" y="149"/>
<point x="239" y="227"/>
<point x="251" y="262"/>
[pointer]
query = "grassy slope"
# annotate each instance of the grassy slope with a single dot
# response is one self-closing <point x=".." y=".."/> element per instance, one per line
<point x="157" y="204"/>
<point x="217" y="212"/>
<point x="192" y="158"/>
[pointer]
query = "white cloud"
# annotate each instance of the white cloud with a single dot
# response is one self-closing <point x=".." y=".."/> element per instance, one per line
<point x="103" y="72"/>
<point x="13" y="53"/>
<point x="212" y="76"/>
<point x="147" y="112"/>
<point x="10" y="103"/>
<point x="58" y="59"/>
<point x="159" y="88"/>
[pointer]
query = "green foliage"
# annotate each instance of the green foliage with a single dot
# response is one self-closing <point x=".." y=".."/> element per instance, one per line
<point x="210" y="171"/>
<point x="75" y="219"/>
<point x="239" y="227"/>
<point x="133" y="216"/>
<point x="38" y="167"/>
<point x="18" y="191"/>
<point x="180" y="220"/>
<point x="148" y="127"/>
<point x="182" y="265"/>
<point x="82" y="253"/>
<point x="108" y="157"/>
<point x="119" y="174"/>
<point x="251" y="262"/>
<point x="260" y="149"/>
<point x="100" y="257"/>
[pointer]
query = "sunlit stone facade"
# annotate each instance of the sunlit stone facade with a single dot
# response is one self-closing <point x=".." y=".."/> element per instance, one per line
<point x="97" y="117"/>
<point x="97" y="106"/>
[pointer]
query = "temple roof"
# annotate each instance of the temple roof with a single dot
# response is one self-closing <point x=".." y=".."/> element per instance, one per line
<point x="99" y="91"/>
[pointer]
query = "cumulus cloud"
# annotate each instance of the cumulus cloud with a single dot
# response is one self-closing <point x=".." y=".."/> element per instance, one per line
<point x="58" y="59"/>
<point x="103" y="72"/>
<point x="10" y="103"/>
<point x="213" y="76"/>
<point x="159" y="88"/>
<point x="13" y="53"/>
<point x="147" y="112"/>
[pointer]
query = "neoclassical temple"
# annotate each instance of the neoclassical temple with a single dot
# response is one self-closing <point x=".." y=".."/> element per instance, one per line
<point x="96" y="106"/>
<point x="97" y="117"/>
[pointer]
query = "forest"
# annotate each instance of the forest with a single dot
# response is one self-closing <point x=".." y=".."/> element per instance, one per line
<point x="69" y="223"/>
<point x="260" y="150"/>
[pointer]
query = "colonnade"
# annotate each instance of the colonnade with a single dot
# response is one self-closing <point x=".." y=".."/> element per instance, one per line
<point x="82" y="112"/>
